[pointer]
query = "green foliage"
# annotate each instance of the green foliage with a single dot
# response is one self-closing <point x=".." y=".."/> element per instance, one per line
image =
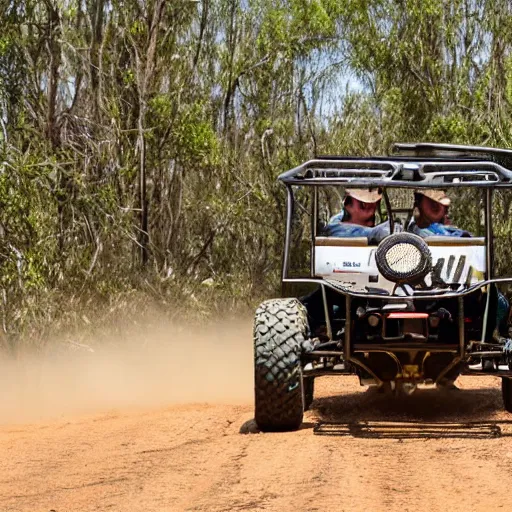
<point x="205" y="104"/>
<point x="452" y="129"/>
<point x="194" y="137"/>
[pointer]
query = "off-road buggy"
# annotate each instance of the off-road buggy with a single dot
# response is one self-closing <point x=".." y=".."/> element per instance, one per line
<point x="404" y="312"/>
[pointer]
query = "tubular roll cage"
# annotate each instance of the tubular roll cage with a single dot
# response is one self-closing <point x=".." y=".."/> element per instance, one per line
<point x="412" y="166"/>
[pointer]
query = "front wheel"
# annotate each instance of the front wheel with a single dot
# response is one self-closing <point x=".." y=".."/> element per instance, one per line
<point x="280" y="335"/>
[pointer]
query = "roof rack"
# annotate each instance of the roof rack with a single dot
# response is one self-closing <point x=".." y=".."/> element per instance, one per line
<point x="429" y="149"/>
<point x="416" y="166"/>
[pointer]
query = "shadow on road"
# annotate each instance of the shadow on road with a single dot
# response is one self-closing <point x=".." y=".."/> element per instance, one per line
<point x="415" y="430"/>
<point x="428" y="413"/>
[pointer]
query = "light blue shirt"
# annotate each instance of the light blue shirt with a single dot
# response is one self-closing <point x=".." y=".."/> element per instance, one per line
<point x="436" y="229"/>
<point x="338" y="228"/>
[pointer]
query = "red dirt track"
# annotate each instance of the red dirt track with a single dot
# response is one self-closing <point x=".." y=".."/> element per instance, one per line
<point x="433" y="451"/>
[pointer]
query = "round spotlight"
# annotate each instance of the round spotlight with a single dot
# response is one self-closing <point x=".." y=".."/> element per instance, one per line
<point x="403" y="258"/>
<point x="373" y="320"/>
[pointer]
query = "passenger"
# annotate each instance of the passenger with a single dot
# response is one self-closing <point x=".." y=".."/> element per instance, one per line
<point x="430" y="215"/>
<point x="430" y="218"/>
<point x="357" y="218"/>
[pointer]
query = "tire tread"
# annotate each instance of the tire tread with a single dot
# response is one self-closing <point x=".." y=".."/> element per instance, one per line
<point x="281" y="335"/>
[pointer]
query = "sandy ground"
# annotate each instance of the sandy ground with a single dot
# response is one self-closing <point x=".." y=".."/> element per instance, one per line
<point x="167" y="427"/>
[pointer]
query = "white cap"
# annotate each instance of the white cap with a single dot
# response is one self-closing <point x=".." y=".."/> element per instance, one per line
<point x="366" y="195"/>
<point x="437" y="195"/>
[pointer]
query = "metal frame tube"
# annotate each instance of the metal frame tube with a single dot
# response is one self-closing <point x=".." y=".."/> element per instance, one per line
<point x="348" y="316"/>
<point x="462" y="334"/>
<point x="398" y="298"/>
<point x="390" y="211"/>
<point x="314" y="224"/>
<point x="489" y="256"/>
<point x="351" y="182"/>
<point x="462" y="349"/>
<point x="289" y="215"/>
<point x="489" y="233"/>
<point x="326" y="313"/>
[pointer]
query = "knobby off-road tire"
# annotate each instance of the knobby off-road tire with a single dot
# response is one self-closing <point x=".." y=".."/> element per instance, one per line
<point x="506" y="392"/>
<point x="280" y="337"/>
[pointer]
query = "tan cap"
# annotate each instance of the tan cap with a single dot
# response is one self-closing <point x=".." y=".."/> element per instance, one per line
<point x="366" y="195"/>
<point x="437" y="195"/>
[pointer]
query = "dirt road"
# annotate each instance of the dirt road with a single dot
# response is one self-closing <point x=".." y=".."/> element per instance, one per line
<point x="357" y="451"/>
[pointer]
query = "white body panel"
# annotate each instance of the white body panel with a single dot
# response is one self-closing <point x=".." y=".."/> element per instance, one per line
<point x="356" y="266"/>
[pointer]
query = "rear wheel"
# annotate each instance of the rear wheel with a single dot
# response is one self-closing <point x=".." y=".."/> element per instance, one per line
<point x="280" y="336"/>
<point x="506" y="391"/>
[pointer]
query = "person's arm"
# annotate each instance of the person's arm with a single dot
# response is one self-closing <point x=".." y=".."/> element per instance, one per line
<point x="437" y="229"/>
<point x="442" y="230"/>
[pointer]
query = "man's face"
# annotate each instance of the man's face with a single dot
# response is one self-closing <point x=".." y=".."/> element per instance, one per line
<point x="361" y="213"/>
<point x="432" y="210"/>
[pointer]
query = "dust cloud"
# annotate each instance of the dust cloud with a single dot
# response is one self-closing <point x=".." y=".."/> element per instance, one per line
<point x="168" y="364"/>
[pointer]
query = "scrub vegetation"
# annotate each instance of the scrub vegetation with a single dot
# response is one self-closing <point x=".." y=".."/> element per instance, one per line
<point x="140" y="141"/>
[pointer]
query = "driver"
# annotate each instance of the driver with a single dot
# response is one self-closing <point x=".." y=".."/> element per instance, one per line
<point x="430" y="215"/>
<point x="357" y="218"/>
